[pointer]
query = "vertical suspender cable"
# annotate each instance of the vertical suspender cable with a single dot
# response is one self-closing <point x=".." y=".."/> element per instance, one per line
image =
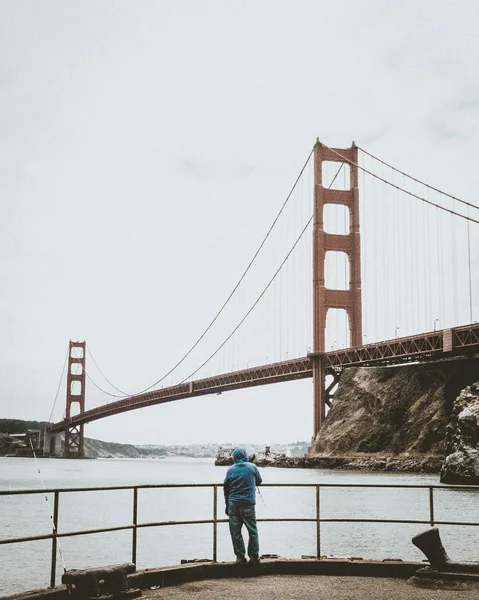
<point x="363" y="250"/>
<point x="417" y="299"/>
<point x="409" y="282"/>
<point x="424" y="269"/>
<point x="429" y="266"/>
<point x="469" y="266"/>
<point x="386" y="271"/>
<point x="375" y="222"/>
<point x="397" y="259"/>
<point x="441" y="274"/>
<point x="454" y="265"/>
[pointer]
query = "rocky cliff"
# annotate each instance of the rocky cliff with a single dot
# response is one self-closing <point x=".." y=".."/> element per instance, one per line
<point x="461" y="465"/>
<point x="392" y="418"/>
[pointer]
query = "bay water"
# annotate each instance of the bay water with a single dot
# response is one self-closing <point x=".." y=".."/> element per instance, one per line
<point x="26" y="566"/>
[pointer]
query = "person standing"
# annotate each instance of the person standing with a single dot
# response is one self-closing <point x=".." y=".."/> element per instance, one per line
<point x="240" y="499"/>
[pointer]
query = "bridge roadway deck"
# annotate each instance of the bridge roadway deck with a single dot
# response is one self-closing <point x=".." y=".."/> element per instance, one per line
<point x="426" y="346"/>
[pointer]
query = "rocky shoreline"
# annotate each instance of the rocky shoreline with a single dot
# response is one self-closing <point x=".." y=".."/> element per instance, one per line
<point x="401" y="464"/>
<point x="429" y="464"/>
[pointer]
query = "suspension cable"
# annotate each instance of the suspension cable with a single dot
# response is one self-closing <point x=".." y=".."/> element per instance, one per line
<point x="58" y="388"/>
<point x="91" y="380"/>
<point x="345" y="159"/>
<point x="219" y="311"/>
<point x="417" y="180"/>
<point x="185" y="356"/>
<point x="255" y="303"/>
<point x="105" y="377"/>
<point x="102" y="390"/>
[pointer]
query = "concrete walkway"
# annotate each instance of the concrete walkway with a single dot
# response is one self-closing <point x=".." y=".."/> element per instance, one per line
<point x="310" y="587"/>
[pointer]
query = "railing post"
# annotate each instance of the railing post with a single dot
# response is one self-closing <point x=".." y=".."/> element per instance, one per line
<point x="431" y="506"/>
<point x="135" y="523"/>
<point x="54" y="539"/>
<point x="215" y="523"/>
<point x="318" y="522"/>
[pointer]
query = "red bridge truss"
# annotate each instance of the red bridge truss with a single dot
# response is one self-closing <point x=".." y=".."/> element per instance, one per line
<point x="427" y="346"/>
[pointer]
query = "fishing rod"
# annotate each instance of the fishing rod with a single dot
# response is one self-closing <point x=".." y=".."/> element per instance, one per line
<point x="261" y="496"/>
<point x="54" y="529"/>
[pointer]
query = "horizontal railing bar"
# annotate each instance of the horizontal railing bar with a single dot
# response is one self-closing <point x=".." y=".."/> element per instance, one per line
<point x="287" y="520"/>
<point x="107" y="488"/>
<point x="210" y="485"/>
<point x="32" y="538"/>
<point x="90" y="531"/>
<point x="436" y="522"/>
<point x="419" y="486"/>
<point x="167" y="523"/>
<point x="49" y="536"/>
<point x="393" y="521"/>
<point x="311" y="520"/>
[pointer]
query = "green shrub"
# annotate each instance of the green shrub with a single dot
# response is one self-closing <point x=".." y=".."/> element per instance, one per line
<point x="375" y="442"/>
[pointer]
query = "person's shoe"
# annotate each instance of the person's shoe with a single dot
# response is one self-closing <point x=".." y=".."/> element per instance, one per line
<point x="254" y="560"/>
<point x="241" y="560"/>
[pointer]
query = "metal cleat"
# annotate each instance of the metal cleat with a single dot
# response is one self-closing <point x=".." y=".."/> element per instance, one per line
<point x="429" y="542"/>
<point x="107" y="583"/>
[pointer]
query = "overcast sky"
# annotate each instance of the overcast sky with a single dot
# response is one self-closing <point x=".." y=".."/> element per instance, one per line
<point x="146" y="147"/>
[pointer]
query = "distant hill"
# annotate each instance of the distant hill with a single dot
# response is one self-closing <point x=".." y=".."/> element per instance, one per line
<point x="19" y="426"/>
<point x="93" y="448"/>
<point x="100" y="449"/>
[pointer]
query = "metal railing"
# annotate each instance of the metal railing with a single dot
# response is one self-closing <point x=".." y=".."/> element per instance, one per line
<point x="135" y="525"/>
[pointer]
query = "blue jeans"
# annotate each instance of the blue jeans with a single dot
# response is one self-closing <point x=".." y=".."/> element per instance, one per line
<point x="240" y="515"/>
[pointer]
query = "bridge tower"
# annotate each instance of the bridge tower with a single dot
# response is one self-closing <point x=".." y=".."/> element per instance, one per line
<point x="75" y="399"/>
<point x="323" y="297"/>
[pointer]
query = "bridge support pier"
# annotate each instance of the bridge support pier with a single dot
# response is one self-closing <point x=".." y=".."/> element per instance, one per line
<point x="53" y="444"/>
<point x="319" y="392"/>
<point x="323" y="392"/>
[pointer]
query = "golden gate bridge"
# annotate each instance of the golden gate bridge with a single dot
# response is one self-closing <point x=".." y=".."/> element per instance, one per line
<point x="392" y="261"/>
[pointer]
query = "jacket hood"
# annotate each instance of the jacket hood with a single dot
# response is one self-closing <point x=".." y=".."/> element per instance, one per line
<point x="240" y="455"/>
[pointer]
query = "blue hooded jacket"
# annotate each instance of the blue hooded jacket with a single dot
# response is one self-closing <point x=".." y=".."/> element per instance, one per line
<point x="241" y="480"/>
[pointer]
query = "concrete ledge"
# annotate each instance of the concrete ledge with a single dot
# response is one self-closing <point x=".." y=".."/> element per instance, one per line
<point x="58" y="593"/>
<point x="170" y="576"/>
<point x="196" y="571"/>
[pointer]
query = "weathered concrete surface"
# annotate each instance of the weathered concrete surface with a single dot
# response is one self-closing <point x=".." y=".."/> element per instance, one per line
<point x="304" y="579"/>
<point x="311" y="587"/>
<point x="170" y="577"/>
<point x="461" y="465"/>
